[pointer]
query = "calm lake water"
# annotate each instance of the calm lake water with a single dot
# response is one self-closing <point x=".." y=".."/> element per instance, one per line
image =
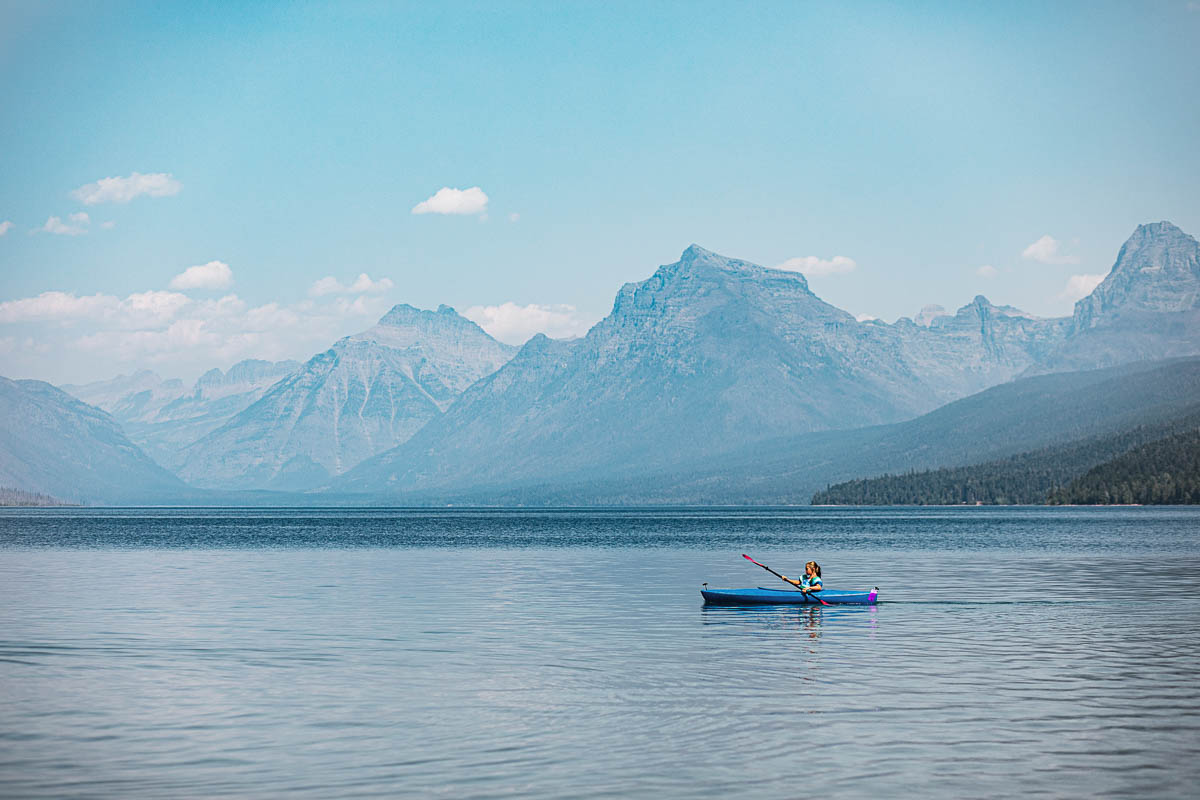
<point x="341" y="653"/>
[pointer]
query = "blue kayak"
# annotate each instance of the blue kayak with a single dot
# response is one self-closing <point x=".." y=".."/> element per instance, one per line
<point x="763" y="596"/>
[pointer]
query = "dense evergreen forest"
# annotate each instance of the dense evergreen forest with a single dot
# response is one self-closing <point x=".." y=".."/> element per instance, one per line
<point x="1165" y="472"/>
<point x="1040" y="476"/>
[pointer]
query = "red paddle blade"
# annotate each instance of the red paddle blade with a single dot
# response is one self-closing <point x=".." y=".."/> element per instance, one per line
<point x="751" y="560"/>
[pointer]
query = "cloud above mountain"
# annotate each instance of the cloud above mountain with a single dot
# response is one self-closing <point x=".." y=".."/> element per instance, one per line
<point x="1048" y="250"/>
<point x="213" y="275"/>
<point x="124" y="190"/>
<point x="1080" y="286"/>
<point x="813" y="266"/>
<point x="515" y="324"/>
<point x="137" y="310"/>
<point x="454" y="201"/>
<point x="361" y="285"/>
<point x="55" y="306"/>
<point x="94" y="336"/>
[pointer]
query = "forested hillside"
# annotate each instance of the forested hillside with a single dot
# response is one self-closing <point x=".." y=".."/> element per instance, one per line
<point x="1165" y="472"/>
<point x="1023" y="479"/>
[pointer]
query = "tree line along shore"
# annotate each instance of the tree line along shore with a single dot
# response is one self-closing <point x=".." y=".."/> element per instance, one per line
<point x="1162" y="471"/>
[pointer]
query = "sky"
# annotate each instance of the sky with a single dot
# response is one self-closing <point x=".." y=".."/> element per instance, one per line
<point x="183" y="186"/>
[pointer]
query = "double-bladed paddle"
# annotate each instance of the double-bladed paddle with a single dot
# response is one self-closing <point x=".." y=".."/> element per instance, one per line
<point x="785" y="580"/>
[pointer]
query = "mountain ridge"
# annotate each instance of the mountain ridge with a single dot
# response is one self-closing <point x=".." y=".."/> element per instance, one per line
<point x="369" y="392"/>
<point x="52" y="443"/>
<point x="711" y="352"/>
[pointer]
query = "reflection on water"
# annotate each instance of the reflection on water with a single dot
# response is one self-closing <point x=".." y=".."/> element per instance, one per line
<point x="164" y="653"/>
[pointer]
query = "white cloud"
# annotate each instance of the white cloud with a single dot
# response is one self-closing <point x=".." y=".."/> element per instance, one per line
<point x="811" y="265"/>
<point x="1046" y="251"/>
<point x="361" y="306"/>
<point x="109" y="225"/>
<point x="865" y="318"/>
<point x="57" y="306"/>
<point x="147" y="309"/>
<point x="362" y="285"/>
<point x="213" y="275"/>
<point x="987" y="271"/>
<point x="228" y="306"/>
<point x="95" y="337"/>
<point x="1080" y="286"/>
<point x="454" y="201"/>
<point x="75" y="225"/>
<point x="5" y="227"/>
<point x="214" y="332"/>
<point x="514" y="217"/>
<point x="137" y="310"/>
<point x="122" y="190"/>
<point x="514" y="324"/>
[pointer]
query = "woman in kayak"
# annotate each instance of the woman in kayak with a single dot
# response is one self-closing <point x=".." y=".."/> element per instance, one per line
<point x="811" y="582"/>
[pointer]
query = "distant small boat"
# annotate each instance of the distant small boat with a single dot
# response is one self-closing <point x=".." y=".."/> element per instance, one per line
<point x="762" y="596"/>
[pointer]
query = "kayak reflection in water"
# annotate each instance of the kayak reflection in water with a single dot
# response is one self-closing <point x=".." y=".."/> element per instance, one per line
<point x="811" y="582"/>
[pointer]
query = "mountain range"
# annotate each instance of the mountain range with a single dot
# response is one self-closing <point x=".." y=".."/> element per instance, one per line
<point x="164" y="416"/>
<point x="708" y="364"/>
<point x="711" y="355"/>
<point x="366" y="394"/>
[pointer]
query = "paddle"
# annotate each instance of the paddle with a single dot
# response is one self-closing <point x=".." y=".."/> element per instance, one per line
<point x="785" y="580"/>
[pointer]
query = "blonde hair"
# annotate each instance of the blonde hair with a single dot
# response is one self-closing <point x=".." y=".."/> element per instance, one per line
<point x="816" y="567"/>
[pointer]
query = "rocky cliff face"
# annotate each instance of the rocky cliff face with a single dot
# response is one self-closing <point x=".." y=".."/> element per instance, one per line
<point x="1157" y="271"/>
<point x="1147" y="307"/>
<point x="366" y="394"/>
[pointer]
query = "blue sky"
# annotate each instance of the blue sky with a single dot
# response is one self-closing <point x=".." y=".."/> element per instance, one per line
<point x="284" y="148"/>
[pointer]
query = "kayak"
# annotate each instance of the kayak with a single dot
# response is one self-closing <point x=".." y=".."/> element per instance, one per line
<point x="765" y="596"/>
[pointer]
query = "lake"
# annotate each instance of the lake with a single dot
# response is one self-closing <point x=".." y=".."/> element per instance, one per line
<point x="475" y="654"/>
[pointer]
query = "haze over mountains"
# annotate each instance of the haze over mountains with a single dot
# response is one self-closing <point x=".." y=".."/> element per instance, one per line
<point x="366" y="394"/>
<point x="708" y="361"/>
<point x="54" y="444"/>
<point x="163" y="417"/>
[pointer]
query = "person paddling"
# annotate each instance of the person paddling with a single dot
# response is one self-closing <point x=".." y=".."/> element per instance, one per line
<point x="811" y="582"/>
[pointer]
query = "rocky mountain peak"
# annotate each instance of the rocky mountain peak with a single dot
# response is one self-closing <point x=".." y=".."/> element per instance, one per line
<point x="401" y="314"/>
<point x="247" y="375"/>
<point x="981" y="307"/>
<point x="699" y="279"/>
<point x="1157" y="231"/>
<point x="1157" y="270"/>
<point x="406" y="327"/>
<point x="367" y="393"/>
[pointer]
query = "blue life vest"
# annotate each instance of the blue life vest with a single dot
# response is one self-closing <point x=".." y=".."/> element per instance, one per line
<point x="807" y="583"/>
